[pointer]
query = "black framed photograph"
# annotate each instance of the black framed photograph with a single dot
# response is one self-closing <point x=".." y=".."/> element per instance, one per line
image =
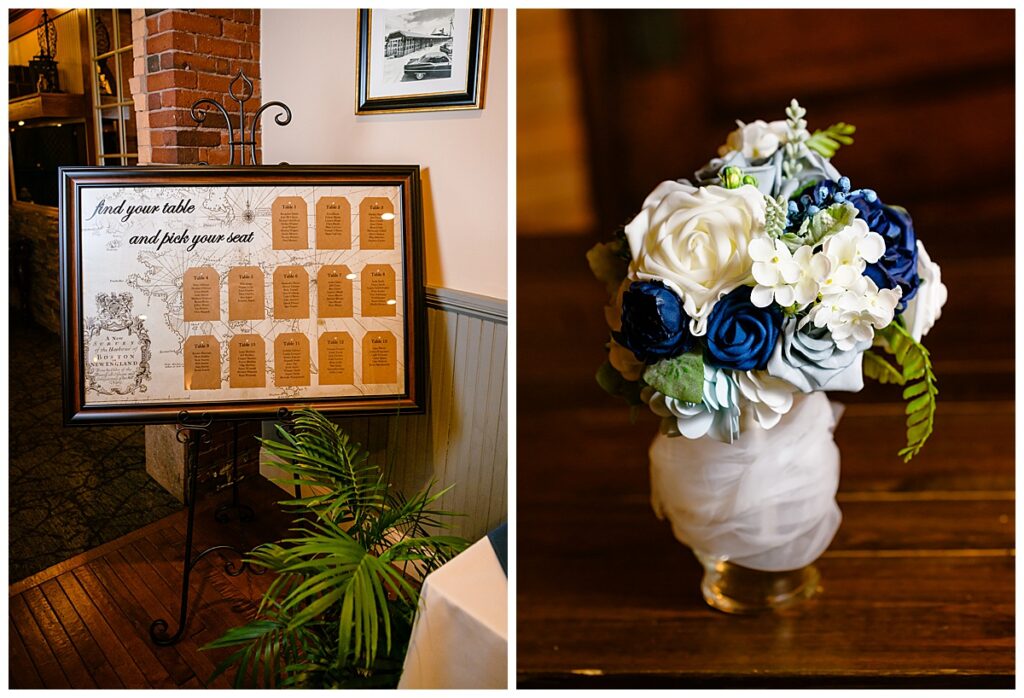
<point x="420" y="60"/>
<point x="240" y="291"/>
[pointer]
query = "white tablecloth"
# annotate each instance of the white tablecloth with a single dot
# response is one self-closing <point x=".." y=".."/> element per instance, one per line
<point x="460" y="636"/>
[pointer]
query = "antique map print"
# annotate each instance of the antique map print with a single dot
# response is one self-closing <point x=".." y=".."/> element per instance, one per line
<point x="221" y="293"/>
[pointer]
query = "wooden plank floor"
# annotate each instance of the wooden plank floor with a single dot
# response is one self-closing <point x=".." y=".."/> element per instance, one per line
<point x="917" y="589"/>
<point x="85" y="622"/>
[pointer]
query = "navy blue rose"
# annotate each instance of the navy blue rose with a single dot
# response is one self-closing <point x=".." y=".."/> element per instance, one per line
<point x="740" y="335"/>
<point x="898" y="266"/>
<point x="654" y="324"/>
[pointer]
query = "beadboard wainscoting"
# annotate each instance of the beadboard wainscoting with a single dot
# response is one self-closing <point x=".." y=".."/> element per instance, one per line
<point x="461" y="440"/>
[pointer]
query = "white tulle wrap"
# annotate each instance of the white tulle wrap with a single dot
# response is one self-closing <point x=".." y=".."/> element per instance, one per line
<point x="765" y="501"/>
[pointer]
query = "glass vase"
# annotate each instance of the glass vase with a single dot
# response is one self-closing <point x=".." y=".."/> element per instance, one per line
<point x="757" y="512"/>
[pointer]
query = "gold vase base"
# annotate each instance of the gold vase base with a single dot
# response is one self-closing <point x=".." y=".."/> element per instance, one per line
<point x="732" y="588"/>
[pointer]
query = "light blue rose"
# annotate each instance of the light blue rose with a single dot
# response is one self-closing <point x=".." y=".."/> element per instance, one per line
<point x="770" y="178"/>
<point x="808" y="358"/>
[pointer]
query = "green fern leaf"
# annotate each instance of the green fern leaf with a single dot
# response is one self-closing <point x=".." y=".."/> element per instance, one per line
<point x="877" y="368"/>
<point x="916" y="366"/>
<point x="827" y="142"/>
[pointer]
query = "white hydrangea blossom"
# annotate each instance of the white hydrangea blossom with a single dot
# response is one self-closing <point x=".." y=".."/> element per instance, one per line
<point x="849" y="251"/>
<point x="854" y="314"/>
<point x="784" y="277"/>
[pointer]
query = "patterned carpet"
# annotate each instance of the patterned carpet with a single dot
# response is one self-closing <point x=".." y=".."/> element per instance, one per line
<point x="71" y="489"/>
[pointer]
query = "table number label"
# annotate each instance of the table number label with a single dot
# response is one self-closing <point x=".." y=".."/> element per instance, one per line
<point x="202" y="363"/>
<point x="289" y="222"/>
<point x="376" y="224"/>
<point x="333" y="223"/>
<point x="334" y="291"/>
<point x="377" y="285"/>
<point x="380" y="358"/>
<point x="291" y="293"/>
<point x="201" y="294"/>
<point x="291" y="359"/>
<point x="247" y="358"/>
<point x="245" y="294"/>
<point x="336" y="360"/>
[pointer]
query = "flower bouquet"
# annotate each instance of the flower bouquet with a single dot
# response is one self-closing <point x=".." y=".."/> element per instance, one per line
<point x="735" y="300"/>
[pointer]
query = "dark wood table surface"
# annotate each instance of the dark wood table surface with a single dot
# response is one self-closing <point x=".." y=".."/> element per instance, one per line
<point x="917" y="588"/>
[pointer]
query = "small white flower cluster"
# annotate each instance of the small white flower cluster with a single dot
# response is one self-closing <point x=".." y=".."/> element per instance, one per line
<point x="832" y="279"/>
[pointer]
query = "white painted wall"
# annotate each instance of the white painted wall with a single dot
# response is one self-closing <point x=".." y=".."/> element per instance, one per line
<point x="308" y="61"/>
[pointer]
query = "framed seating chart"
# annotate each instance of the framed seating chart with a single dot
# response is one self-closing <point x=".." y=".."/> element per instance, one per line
<point x="240" y="291"/>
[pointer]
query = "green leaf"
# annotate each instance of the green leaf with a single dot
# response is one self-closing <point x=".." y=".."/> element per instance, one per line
<point x="612" y="382"/>
<point x="681" y="377"/>
<point x="915" y="365"/>
<point x="879" y="369"/>
<point x="915" y="390"/>
<point x="827" y="142"/>
<point x="609" y="263"/>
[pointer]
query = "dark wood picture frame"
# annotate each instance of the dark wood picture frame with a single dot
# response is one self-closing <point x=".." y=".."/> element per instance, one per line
<point x="471" y="98"/>
<point x="73" y="180"/>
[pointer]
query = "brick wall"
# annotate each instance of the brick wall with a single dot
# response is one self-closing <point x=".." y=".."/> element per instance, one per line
<point x="182" y="56"/>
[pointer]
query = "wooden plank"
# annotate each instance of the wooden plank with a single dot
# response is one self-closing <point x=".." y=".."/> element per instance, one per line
<point x="868" y="526"/>
<point x="142" y="613"/>
<point x="971" y="449"/>
<point x="204" y="600"/>
<point x="155" y="593"/>
<point x="460" y="431"/>
<point x="63" y="648"/>
<point x="115" y="633"/>
<point x="875" y="619"/>
<point x="21" y="670"/>
<point x="92" y="655"/>
<point x="217" y="610"/>
<point x="446" y="411"/>
<point x="39" y="649"/>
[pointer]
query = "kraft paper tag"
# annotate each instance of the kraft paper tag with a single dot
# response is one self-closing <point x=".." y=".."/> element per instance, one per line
<point x="336" y="361"/>
<point x="334" y="291"/>
<point x="201" y="294"/>
<point x="376" y="224"/>
<point x="289" y="222"/>
<point x="291" y="359"/>
<point x="380" y="358"/>
<point x="291" y="293"/>
<point x="247" y="358"/>
<point x="202" y="363"/>
<point x="377" y="285"/>
<point x="245" y="294"/>
<point x="333" y="223"/>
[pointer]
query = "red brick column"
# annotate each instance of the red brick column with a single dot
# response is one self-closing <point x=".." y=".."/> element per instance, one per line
<point x="182" y="56"/>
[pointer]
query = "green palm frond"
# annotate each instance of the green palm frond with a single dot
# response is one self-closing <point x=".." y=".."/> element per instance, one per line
<point x="339" y="608"/>
<point x="267" y="644"/>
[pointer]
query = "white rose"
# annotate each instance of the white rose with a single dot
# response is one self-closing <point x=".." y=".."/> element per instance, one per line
<point x="926" y="307"/>
<point x="756" y="140"/>
<point x="695" y="241"/>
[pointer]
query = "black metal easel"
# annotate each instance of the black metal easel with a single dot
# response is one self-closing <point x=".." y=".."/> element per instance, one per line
<point x="194" y="429"/>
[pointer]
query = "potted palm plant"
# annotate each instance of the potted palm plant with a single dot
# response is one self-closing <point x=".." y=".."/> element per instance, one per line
<point x="339" y="611"/>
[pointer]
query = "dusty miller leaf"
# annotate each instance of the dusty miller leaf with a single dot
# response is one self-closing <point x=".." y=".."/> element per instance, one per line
<point x="681" y="377"/>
